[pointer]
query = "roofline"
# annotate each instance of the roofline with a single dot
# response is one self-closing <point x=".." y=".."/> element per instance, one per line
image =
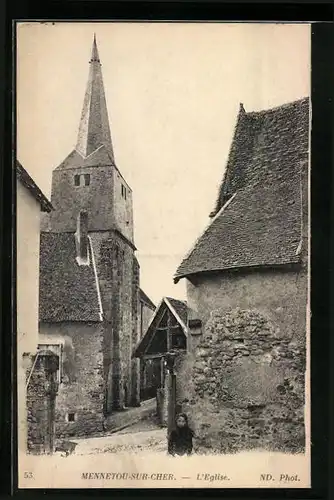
<point x="146" y="298"/>
<point x="249" y="114"/>
<point x="241" y="114"/>
<point x="96" y="279"/>
<point x="86" y="321"/>
<point x="31" y="185"/>
<point x="116" y="230"/>
<point x="172" y="309"/>
<point x="135" y="350"/>
<point x="211" y="221"/>
<point x="276" y="108"/>
<point x="165" y="301"/>
<point x="286" y="265"/>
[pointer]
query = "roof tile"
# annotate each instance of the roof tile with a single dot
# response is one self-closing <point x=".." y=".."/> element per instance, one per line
<point x="67" y="291"/>
<point x="261" y="226"/>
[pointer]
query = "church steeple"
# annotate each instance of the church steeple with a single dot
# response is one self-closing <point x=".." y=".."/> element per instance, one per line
<point x="95" y="52"/>
<point x="94" y="129"/>
<point x="88" y="180"/>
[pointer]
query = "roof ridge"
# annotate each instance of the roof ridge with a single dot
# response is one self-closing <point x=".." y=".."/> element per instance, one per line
<point x="173" y="298"/>
<point x="276" y="108"/>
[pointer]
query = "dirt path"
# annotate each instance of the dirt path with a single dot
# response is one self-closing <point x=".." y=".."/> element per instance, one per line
<point x="144" y="435"/>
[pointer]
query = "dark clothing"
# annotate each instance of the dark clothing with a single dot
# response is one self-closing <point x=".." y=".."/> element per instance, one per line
<point x="180" y="441"/>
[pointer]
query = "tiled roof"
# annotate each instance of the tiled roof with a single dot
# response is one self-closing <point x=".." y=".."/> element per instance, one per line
<point x="68" y="292"/>
<point x="31" y="185"/>
<point x="261" y="223"/>
<point x="144" y="298"/>
<point x="180" y="307"/>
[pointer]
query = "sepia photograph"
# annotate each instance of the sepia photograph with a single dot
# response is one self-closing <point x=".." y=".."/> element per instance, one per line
<point x="163" y="254"/>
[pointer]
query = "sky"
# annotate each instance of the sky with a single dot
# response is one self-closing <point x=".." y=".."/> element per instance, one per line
<point x="173" y="92"/>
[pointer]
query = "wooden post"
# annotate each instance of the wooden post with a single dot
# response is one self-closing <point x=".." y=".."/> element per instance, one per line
<point x="169" y="333"/>
<point x="162" y="370"/>
<point x="171" y="401"/>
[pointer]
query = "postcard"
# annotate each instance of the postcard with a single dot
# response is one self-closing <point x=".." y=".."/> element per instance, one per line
<point x="163" y="250"/>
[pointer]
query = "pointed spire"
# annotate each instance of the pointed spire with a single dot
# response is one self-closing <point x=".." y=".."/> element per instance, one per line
<point x="94" y="129"/>
<point x="95" y="53"/>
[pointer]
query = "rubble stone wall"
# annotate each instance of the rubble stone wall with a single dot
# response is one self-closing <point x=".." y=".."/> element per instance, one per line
<point x="41" y="396"/>
<point x="119" y="280"/>
<point x="281" y="295"/>
<point x="245" y="385"/>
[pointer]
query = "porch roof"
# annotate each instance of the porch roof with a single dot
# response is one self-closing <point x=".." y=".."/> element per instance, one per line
<point x="178" y="309"/>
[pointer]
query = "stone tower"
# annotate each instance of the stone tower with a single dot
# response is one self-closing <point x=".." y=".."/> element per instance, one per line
<point x="89" y="182"/>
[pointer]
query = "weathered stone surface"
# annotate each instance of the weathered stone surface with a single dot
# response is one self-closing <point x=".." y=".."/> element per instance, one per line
<point x="41" y="395"/>
<point x="83" y="393"/>
<point x="254" y="389"/>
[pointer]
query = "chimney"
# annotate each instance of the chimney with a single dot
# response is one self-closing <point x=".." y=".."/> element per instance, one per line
<point x="81" y="239"/>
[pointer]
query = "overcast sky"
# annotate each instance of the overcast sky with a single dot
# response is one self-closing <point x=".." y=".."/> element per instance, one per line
<point x="173" y="94"/>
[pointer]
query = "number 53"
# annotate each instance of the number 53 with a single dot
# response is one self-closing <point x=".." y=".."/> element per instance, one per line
<point x="28" y="475"/>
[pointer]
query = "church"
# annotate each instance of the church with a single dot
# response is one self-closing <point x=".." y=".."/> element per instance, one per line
<point x="90" y="297"/>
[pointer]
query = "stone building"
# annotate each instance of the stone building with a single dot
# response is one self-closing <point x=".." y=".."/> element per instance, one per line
<point x="90" y="293"/>
<point x="247" y="291"/>
<point x="35" y="367"/>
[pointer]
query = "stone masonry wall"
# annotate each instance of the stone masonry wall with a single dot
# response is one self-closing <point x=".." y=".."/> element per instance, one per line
<point x="42" y="390"/>
<point x="245" y="385"/>
<point x="82" y="389"/>
<point x="135" y="363"/>
<point x="280" y="295"/>
<point x="68" y="199"/>
<point x="114" y="261"/>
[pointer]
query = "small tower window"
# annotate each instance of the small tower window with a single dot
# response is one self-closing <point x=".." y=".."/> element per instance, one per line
<point x="71" y="417"/>
<point x="123" y="188"/>
<point x="82" y="179"/>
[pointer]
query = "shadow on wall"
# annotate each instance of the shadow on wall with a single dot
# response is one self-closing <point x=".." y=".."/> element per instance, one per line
<point x="247" y="386"/>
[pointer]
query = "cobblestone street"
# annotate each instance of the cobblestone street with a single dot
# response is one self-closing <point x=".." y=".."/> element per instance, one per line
<point x="140" y="437"/>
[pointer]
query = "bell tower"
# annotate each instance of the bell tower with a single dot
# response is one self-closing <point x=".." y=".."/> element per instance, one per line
<point x="88" y="179"/>
<point x="89" y="182"/>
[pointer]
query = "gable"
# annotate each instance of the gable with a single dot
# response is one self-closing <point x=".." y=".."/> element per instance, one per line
<point x="258" y="217"/>
<point x="156" y="339"/>
<point x="100" y="156"/>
